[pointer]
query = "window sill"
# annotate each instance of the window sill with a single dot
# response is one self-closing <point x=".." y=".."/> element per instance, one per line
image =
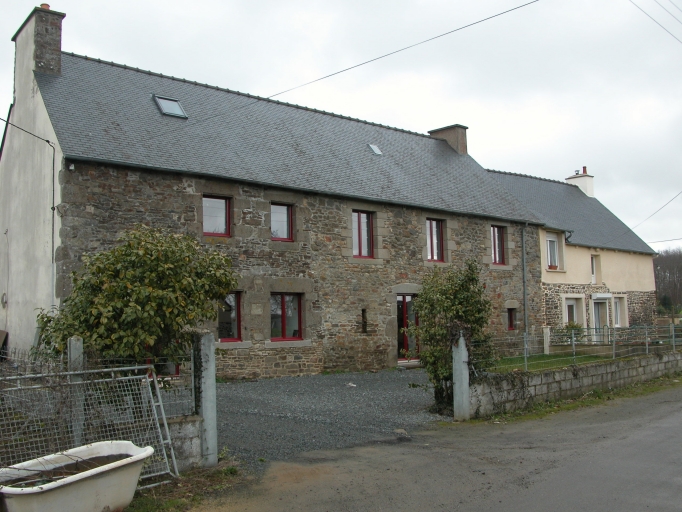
<point x="365" y="260"/>
<point x="227" y="345"/>
<point x="288" y="344"/>
<point x="557" y="270"/>
<point x="283" y="245"/>
<point x="501" y="266"/>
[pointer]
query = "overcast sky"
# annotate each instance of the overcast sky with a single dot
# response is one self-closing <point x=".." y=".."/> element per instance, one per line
<point x="544" y="90"/>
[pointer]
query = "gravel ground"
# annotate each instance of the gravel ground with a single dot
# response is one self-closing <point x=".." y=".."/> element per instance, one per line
<point x="276" y="419"/>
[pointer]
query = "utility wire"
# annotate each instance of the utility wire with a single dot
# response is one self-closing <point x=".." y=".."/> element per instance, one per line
<point x="633" y="227"/>
<point x="348" y="68"/>
<point x="661" y="241"/>
<point x="654" y="20"/>
<point x="666" y="10"/>
<point x="26" y="131"/>
<point x="671" y="1"/>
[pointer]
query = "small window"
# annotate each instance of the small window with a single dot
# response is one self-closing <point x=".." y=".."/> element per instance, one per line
<point x="170" y="107"/>
<point x="216" y="216"/>
<point x="617" y="320"/>
<point x="434" y="240"/>
<point x="552" y="251"/>
<point x="363" y="246"/>
<point x="285" y="317"/>
<point x="497" y="239"/>
<point x="281" y="217"/>
<point x="376" y="149"/>
<point x="511" y="319"/>
<point x="594" y="264"/>
<point x="229" y="319"/>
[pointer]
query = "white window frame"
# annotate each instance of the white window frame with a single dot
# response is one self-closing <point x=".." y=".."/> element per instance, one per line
<point x="549" y="239"/>
<point x="579" y="308"/>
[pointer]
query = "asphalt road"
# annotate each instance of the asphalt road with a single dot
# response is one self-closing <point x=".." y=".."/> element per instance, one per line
<point x="622" y="456"/>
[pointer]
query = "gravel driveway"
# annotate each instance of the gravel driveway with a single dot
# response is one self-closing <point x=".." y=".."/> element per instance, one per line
<point x="276" y="419"/>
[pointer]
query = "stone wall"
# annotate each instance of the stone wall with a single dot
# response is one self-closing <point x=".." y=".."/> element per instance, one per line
<point x="185" y="434"/>
<point x="502" y="393"/>
<point x="100" y="202"/>
<point x="641" y="307"/>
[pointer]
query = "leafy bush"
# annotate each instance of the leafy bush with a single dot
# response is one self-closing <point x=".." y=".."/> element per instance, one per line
<point x="142" y="298"/>
<point x="451" y="301"/>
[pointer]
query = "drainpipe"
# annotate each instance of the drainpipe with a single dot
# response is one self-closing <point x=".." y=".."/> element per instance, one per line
<point x="525" y="288"/>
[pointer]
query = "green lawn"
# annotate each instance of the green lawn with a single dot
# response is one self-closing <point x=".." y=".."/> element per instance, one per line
<point x="542" y="362"/>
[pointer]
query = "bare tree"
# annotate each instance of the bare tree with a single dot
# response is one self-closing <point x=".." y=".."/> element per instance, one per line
<point x="668" y="273"/>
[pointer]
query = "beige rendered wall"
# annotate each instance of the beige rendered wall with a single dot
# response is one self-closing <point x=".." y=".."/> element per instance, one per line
<point x="620" y="271"/>
<point x="27" y="274"/>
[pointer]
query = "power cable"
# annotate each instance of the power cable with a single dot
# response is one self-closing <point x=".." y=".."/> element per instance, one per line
<point x="26" y="131"/>
<point x="661" y="241"/>
<point x="671" y="1"/>
<point x="656" y="22"/>
<point x="346" y="69"/>
<point x="666" y="10"/>
<point x="633" y="227"/>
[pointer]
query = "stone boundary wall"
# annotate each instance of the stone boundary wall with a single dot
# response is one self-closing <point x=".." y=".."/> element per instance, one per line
<point x="502" y="393"/>
<point x="185" y="434"/>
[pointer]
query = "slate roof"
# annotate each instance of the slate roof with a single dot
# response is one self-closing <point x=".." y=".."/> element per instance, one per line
<point x="565" y="207"/>
<point x="105" y="112"/>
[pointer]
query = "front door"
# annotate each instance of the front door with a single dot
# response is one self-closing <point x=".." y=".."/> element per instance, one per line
<point x="406" y="315"/>
<point x="600" y="319"/>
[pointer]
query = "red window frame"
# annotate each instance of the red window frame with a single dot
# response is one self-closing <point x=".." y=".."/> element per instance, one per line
<point x="237" y="300"/>
<point x="284" y="315"/>
<point x="404" y="336"/>
<point x="432" y="256"/>
<point x="497" y="242"/>
<point x="290" y="223"/>
<point x="370" y="232"/>
<point x="511" y="319"/>
<point x="226" y="201"/>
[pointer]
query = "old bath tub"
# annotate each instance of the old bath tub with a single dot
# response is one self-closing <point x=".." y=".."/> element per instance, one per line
<point x="94" y="477"/>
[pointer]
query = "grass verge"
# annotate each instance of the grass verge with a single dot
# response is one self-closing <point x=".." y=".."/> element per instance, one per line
<point x="190" y="489"/>
<point x="542" y="362"/>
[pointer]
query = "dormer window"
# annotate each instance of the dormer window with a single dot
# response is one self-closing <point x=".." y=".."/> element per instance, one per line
<point x="170" y="106"/>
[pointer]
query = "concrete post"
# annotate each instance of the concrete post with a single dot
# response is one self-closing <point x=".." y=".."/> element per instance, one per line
<point x="545" y="336"/>
<point x="205" y="397"/>
<point x="75" y="364"/>
<point x="460" y="380"/>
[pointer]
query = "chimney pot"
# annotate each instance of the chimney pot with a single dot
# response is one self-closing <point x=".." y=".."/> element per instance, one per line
<point x="584" y="169"/>
<point x="45" y="6"/>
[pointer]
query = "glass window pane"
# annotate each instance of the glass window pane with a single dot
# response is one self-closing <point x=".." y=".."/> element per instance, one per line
<point x="435" y="235"/>
<point x="429" y="254"/>
<point x="291" y="309"/>
<point x="411" y="318"/>
<point x="170" y="107"/>
<point x="552" y="252"/>
<point x="228" y="324"/>
<point x="215" y="215"/>
<point x="279" y="221"/>
<point x="365" y="234"/>
<point x="356" y="236"/>
<point x="275" y="316"/>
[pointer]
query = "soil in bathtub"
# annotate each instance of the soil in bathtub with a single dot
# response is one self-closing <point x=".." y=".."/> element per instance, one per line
<point x="45" y="476"/>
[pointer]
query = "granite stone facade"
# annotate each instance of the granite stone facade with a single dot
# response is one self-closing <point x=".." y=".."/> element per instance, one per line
<point x="100" y="202"/>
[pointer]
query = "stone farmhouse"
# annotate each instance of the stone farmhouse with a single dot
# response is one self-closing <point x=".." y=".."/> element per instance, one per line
<point x="331" y="222"/>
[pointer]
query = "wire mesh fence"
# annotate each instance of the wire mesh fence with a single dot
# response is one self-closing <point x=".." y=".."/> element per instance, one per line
<point x="45" y="409"/>
<point x="563" y="347"/>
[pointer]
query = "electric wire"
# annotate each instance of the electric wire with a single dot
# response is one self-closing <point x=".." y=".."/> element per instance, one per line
<point x="26" y="131"/>
<point x="676" y="7"/>
<point x="666" y="10"/>
<point x="654" y="20"/>
<point x="661" y="241"/>
<point x="258" y="100"/>
<point x="636" y="225"/>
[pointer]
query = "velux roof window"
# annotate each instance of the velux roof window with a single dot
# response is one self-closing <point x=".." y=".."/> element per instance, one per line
<point x="170" y="106"/>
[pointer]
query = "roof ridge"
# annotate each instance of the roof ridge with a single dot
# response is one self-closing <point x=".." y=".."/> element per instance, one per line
<point x="215" y="87"/>
<point x="532" y="177"/>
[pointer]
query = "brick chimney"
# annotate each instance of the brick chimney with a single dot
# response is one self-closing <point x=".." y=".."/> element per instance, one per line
<point x="584" y="181"/>
<point x="39" y="41"/>
<point x="455" y="135"/>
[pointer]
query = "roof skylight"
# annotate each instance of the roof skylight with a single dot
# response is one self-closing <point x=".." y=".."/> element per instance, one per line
<point x="170" y="106"/>
<point x="376" y="149"/>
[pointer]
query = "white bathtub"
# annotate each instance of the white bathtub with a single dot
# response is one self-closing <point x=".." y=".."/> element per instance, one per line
<point x="109" y="487"/>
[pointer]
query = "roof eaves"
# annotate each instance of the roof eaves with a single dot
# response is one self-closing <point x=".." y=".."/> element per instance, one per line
<point x="80" y="158"/>
<point x="594" y="246"/>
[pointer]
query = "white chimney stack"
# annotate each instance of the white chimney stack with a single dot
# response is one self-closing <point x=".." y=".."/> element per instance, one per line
<point x="583" y="181"/>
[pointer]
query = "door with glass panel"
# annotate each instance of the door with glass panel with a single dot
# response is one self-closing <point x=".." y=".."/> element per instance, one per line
<point x="406" y="344"/>
<point x="600" y="319"/>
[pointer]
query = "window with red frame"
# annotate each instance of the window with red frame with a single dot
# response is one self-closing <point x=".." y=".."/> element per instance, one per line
<point x="229" y="319"/>
<point x="363" y="246"/>
<point x="285" y="317"/>
<point x="434" y="240"/>
<point x="216" y="216"/>
<point x="497" y="238"/>
<point x="511" y="319"/>
<point x="281" y="225"/>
